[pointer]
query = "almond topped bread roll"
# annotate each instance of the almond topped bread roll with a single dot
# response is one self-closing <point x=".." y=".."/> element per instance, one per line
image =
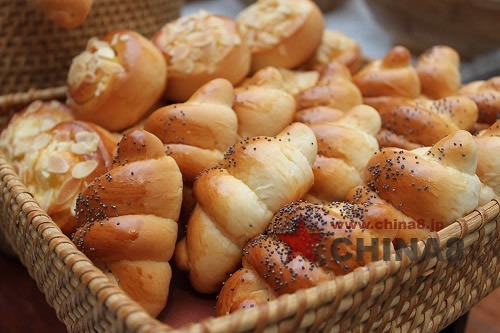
<point x="61" y="163"/>
<point x="281" y="33"/>
<point x="237" y="199"/>
<point x="116" y="80"/>
<point x="127" y="219"/>
<point x="304" y="245"/>
<point x="199" y="48"/>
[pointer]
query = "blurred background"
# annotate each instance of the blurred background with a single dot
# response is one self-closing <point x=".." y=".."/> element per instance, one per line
<point x="378" y="24"/>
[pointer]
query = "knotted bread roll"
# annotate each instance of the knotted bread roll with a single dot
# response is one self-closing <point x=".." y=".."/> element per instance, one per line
<point x="304" y="245"/>
<point x="128" y="219"/>
<point x="486" y="94"/>
<point x="488" y="159"/>
<point x="262" y="105"/>
<point x="198" y="132"/>
<point x="236" y="201"/>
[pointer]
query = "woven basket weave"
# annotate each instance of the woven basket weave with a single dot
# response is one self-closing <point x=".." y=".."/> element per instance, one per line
<point x="25" y="32"/>
<point x="422" y="295"/>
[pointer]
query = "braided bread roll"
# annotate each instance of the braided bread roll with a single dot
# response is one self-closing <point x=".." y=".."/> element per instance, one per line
<point x="334" y="89"/>
<point x="127" y="219"/>
<point x="236" y="201"/>
<point x="344" y="147"/>
<point x="438" y="70"/>
<point x="436" y="184"/>
<point x="488" y="160"/>
<point x="486" y="94"/>
<point x="116" y="80"/>
<point x="422" y="121"/>
<point x="392" y="75"/>
<point x="304" y="245"/>
<point x="263" y="106"/>
<point x="198" y="132"/>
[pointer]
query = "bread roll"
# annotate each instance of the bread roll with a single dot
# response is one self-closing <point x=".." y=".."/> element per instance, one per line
<point x="263" y="106"/>
<point x="438" y="70"/>
<point x="198" y="132"/>
<point x="334" y="89"/>
<point x="61" y="163"/>
<point x="116" y="80"/>
<point x="435" y="184"/>
<point x="336" y="46"/>
<point x="486" y="94"/>
<point x="304" y="245"/>
<point x="24" y="126"/>
<point x="422" y="121"/>
<point x="344" y="147"/>
<point x="128" y="219"/>
<point x="199" y="48"/>
<point x="281" y="33"/>
<point x="392" y="75"/>
<point x="236" y="201"/>
<point x="67" y="14"/>
<point x="488" y="159"/>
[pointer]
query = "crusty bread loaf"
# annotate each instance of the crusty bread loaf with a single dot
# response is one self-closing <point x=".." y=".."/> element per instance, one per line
<point x="393" y="75"/>
<point x="281" y="33"/>
<point x="236" y="201"/>
<point x="304" y="245"/>
<point x="263" y="105"/>
<point x="128" y="219"/>
<point x="438" y="70"/>
<point x="199" y="48"/>
<point x="116" y="80"/>
<point x="198" y="132"/>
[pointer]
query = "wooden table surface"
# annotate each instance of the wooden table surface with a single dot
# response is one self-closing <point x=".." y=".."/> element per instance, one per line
<point x="23" y="307"/>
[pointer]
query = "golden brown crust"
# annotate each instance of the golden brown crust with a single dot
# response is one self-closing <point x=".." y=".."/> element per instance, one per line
<point x="127" y="219"/>
<point x="281" y="33"/>
<point x="116" y="80"/>
<point x="430" y="184"/>
<point x="304" y="245"/>
<point x="422" y="121"/>
<point x="438" y="70"/>
<point x="486" y="94"/>
<point x="392" y="75"/>
<point x="263" y="106"/>
<point x="236" y="200"/>
<point x="196" y="133"/>
<point x="67" y="14"/>
<point x="334" y="89"/>
<point x="488" y="159"/>
<point x="336" y="46"/>
<point x="199" y="48"/>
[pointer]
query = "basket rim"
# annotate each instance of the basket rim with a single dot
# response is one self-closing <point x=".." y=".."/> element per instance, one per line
<point x="289" y="308"/>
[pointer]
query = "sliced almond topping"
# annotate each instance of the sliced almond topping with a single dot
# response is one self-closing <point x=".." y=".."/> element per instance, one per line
<point x="56" y="163"/>
<point x="106" y="52"/>
<point x="34" y="106"/>
<point x="42" y="141"/>
<point x="86" y="143"/>
<point x="83" y="169"/>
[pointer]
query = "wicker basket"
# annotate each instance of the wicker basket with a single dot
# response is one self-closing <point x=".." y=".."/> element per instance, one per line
<point x="421" y="295"/>
<point x="26" y="32"/>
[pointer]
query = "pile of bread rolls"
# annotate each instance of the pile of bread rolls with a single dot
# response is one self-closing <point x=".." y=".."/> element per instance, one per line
<point x="261" y="135"/>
